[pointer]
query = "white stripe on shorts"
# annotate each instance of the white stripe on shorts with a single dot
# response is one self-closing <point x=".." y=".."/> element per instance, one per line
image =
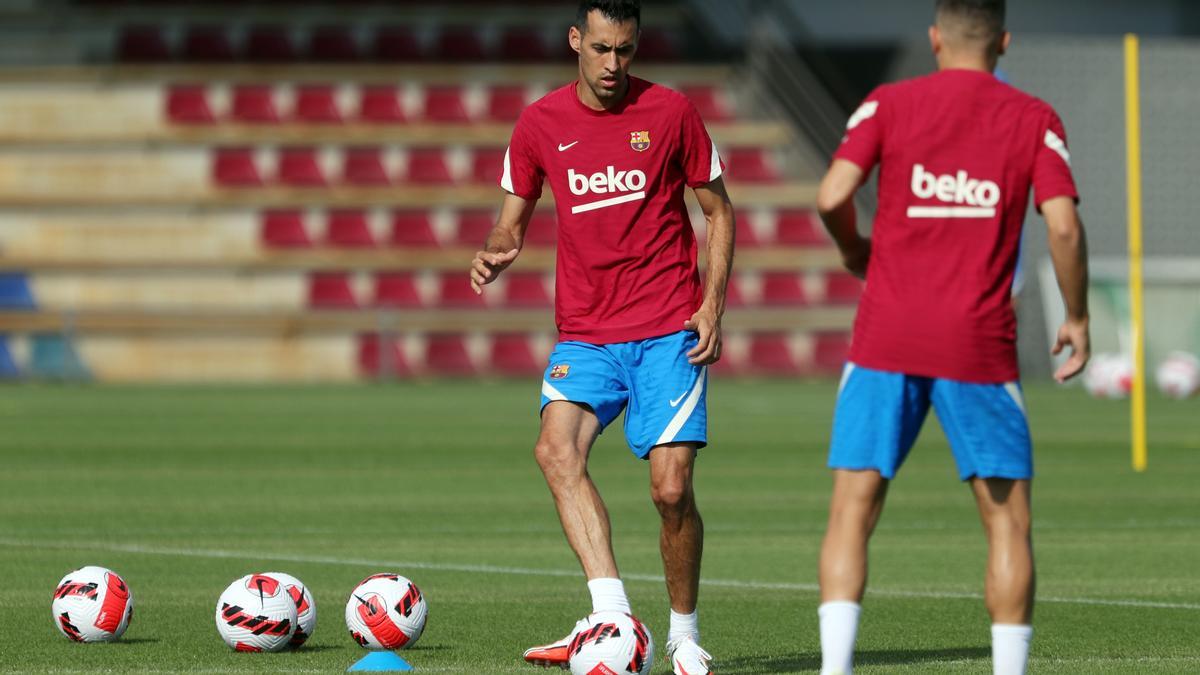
<point x="685" y="410"/>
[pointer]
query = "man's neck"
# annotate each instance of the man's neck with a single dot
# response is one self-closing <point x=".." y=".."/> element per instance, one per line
<point x="962" y="62"/>
<point x="589" y="98"/>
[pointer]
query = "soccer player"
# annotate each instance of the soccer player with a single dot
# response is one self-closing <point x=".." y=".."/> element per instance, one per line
<point x="636" y="327"/>
<point x="958" y="153"/>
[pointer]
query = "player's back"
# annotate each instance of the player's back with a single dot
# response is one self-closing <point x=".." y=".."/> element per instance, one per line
<point x="958" y="152"/>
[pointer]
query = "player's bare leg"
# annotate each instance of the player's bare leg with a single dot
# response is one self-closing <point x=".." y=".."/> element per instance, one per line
<point x="568" y="431"/>
<point x="1009" y="586"/>
<point x="854" y="511"/>
<point x="681" y="541"/>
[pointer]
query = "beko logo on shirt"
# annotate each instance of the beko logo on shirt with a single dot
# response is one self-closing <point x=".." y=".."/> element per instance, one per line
<point x="604" y="182"/>
<point x="971" y="197"/>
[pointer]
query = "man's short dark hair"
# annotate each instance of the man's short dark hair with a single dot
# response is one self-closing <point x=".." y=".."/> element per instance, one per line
<point x="615" y="11"/>
<point x="981" y="20"/>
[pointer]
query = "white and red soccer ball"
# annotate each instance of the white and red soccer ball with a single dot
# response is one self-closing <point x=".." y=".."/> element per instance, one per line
<point x="1178" y="376"/>
<point x="92" y="604"/>
<point x="306" y="607"/>
<point x="1109" y="376"/>
<point x="386" y="611"/>
<point x="256" y="614"/>
<point x="611" y="643"/>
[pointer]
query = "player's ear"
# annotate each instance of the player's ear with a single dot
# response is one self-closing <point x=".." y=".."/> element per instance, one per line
<point x="1005" y="41"/>
<point x="935" y="40"/>
<point x="575" y="38"/>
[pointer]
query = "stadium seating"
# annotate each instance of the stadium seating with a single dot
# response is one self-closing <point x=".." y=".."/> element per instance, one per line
<point x="380" y="357"/>
<point x="317" y="104"/>
<point x="446" y="354"/>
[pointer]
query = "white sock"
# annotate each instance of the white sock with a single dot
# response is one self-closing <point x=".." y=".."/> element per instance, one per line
<point x="684" y="624"/>
<point x="1010" y="648"/>
<point x="839" y="628"/>
<point x="608" y="595"/>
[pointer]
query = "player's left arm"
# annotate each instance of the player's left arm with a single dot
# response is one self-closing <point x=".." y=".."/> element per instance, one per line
<point x="835" y="204"/>
<point x="718" y="215"/>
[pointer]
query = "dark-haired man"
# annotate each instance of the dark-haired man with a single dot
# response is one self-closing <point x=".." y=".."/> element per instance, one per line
<point x="958" y="152"/>
<point x="636" y="328"/>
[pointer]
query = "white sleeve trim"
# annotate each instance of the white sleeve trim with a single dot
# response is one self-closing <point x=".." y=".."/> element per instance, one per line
<point x="1055" y="143"/>
<point x="865" y="112"/>
<point x="506" y="179"/>
<point x="714" y="171"/>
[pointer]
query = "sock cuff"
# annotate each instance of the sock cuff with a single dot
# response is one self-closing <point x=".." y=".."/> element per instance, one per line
<point x="677" y="615"/>
<point x="1012" y="629"/>
<point x="835" y="605"/>
<point x="605" y="582"/>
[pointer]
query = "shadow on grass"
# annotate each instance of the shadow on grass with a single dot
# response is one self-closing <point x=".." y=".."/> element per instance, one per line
<point x="800" y="663"/>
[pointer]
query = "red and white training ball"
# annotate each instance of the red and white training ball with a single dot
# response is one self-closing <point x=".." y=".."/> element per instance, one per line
<point x="611" y="643"/>
<point x="1178" y="376"/>
<point x="1109" y="376"/>
<point x="386" y="611"/>
<point x="92" y="604"/>
<point x="256" y="614"/>
<point x="306" y="607"/>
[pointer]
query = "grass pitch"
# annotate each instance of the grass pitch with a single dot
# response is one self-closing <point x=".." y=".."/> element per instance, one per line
<point x="182" y="490"/>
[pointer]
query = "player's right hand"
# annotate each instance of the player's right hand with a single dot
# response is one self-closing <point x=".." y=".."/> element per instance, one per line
<point x="1074" y="334"/>
<point x="858" y="257"/>
<point x="488" y="265"/>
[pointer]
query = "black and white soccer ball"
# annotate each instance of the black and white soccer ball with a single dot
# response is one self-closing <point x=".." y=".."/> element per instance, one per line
<point x="92" y="604"/>
<point x="386" y="611"/>
<point x="611" y="643"/>
<point x="256" y="614"/>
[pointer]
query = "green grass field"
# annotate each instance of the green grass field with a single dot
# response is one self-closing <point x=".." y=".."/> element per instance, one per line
<point x="182" y="490"/>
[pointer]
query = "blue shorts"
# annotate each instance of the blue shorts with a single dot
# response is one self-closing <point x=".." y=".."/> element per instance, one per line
<point x="879" y="415"/>
<point x="662" y="394"/>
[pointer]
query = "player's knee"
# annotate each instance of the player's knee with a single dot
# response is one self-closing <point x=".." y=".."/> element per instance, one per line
<point x="558" y="459"/>
<point x="671" y="496"/>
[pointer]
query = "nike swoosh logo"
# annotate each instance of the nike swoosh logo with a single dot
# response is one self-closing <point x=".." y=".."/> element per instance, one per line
<point x="564" y="148"/>
<point x="675" y="403"/>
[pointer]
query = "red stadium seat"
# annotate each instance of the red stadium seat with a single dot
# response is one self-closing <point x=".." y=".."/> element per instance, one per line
<point x="143" y="44"/>
<point x="270" y="44"/>
<point x="396" y="289"/>
<point x="460" y="44"/>
<point x="743" y="227"/>
<point x="800" y="228"/>
<point x="771" y="354"/>
<point x="364" y="166"/>
<point x="447" y="355"/>
<point x="298" y="167"/>
<point x="830" y="352"/>
<point x="513" y="355"/>
<point x="842" y="288"/>
<point x="207" y="44"/>
<point x="235" y="167"/>
<point x="382" y="357"/>
<point x="332" y="44"/>
<point x="657" y="44"/>
<point x="188" y="104"/>
<point x="733" y="293"/>
<point x="347" y="228"/>
<point x="751" y="165"/>
<point x="445" y="105"/>
<point x="487" y="164"/>
<point x="317" y="104"/>
<point x="474" y="226"/>
<point x="427" y="166"/>
<point x="526" y="289"/>
<point x="412" y="229"/>
<point x="505" y="103"/>
<point x="455" y="292"/>
<point x="524" y="44"/>
<point x="783" y="288"/>
<point x="254" y="104"/>
<point x="396" y="44"/>
<point x="708" y="102"/>
<point x="380" y="105"/>
<point x="331" y="290"/>
<point x="284" y="229"/>
<point x="543" y="229"/>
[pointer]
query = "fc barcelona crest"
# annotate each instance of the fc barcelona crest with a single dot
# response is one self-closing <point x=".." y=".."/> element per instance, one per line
<point x="639" y="140"/>
<point x="560" y="371"/>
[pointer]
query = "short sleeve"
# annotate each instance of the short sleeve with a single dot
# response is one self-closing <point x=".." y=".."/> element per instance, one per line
<point x="522" y="173"/>
<point x="863" y="142"/>
<point x="1052" y="164"/>
<point x="699" y="157"/>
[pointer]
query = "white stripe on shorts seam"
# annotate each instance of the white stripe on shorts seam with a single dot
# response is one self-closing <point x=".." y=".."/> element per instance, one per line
<point x="551" y="393"/>
<point x="685" y="411"/>
<point x="845" y="376"/>
<point x="1014" y="392"/>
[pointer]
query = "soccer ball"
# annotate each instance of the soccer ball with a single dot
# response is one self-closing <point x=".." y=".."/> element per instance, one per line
<point x="306" y="607"/>
<point x="92" y="604"/>
<point x="386" y="611"/>
<point x="1178" y="375"/>
<point x="1109" y="376"/>
<point x="611" y="643"/>
<point x="256" y="614"/>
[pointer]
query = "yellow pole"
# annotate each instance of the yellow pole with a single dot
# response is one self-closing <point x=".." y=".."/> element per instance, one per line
<point x="1133" y="140"/>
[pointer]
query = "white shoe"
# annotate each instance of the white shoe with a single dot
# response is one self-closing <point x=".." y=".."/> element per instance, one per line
<point x="554" y="655"/>
<point x="687" y="658"/>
